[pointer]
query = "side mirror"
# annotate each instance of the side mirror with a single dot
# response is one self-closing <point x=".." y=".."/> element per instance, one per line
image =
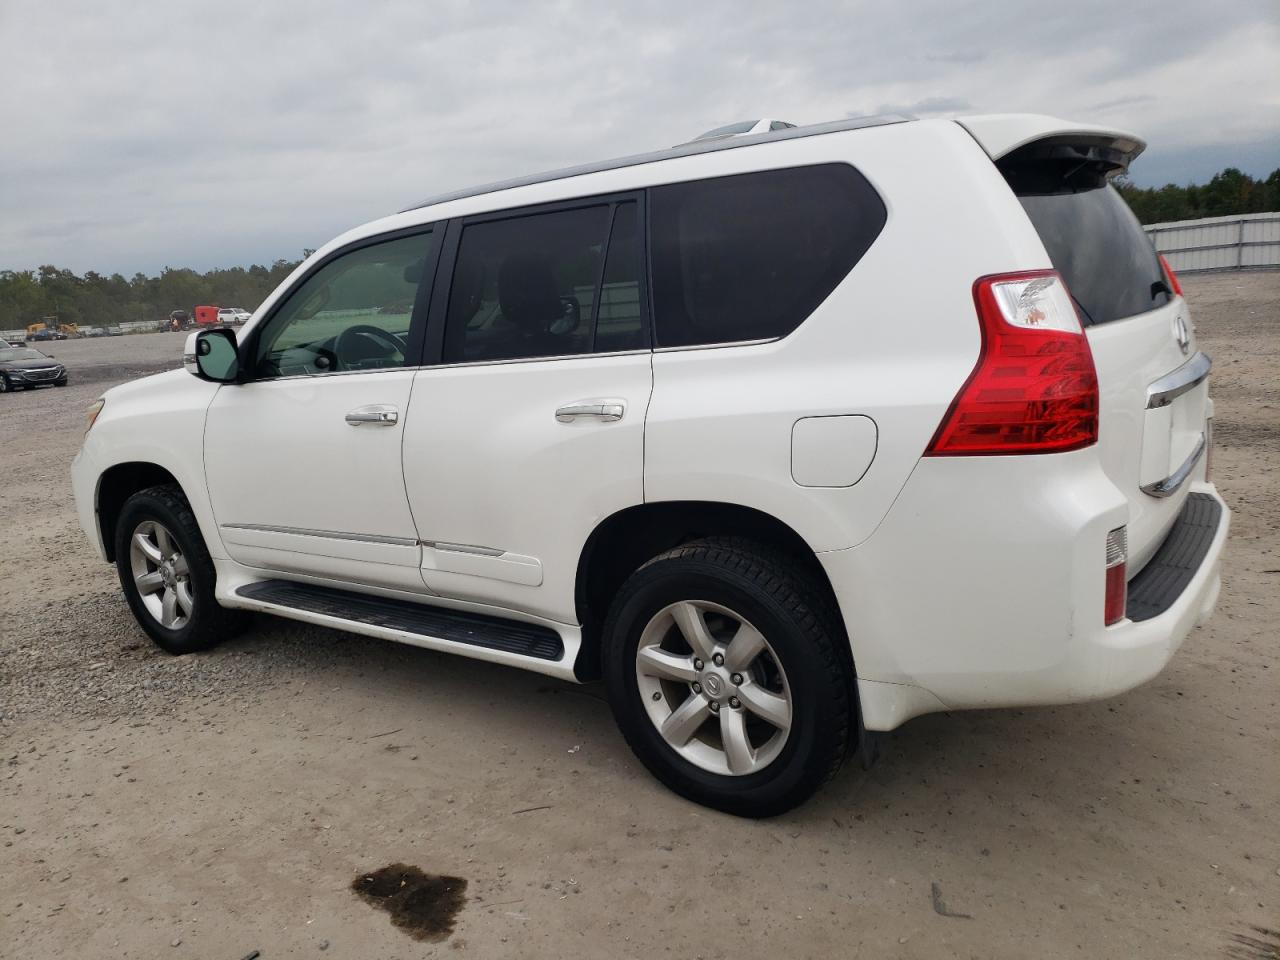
<point x="212" y="355"/>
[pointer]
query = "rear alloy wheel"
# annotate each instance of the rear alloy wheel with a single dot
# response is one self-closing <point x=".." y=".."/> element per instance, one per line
<point x="713" y="688"/>
<point x="726" y="675"/>
<point x="167" y="574"/>
<point x="5" y="385"/>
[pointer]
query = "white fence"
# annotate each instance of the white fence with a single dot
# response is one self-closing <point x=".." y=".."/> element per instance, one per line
<point x="1244" y="242"/>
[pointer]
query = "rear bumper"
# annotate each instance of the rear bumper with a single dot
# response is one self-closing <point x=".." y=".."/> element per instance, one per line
<point x="996" y="600"/>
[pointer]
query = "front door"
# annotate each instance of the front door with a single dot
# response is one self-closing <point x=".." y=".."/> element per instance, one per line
<point x="303" y="460"/>
<point x="527" y="429"/>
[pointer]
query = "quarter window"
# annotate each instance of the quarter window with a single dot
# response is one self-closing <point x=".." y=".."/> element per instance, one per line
<point x="750" y="256"/>
<point x="530" y="286"/>
<point x="354" y="313"/>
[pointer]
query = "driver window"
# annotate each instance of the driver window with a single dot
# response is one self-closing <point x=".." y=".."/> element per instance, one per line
<point x="353" y="314"/>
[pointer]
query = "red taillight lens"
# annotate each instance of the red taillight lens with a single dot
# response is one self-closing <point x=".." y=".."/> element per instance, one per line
<point x="1034" y="389"/>
<point x="1171" y="277"/>
<point x="1117" y="593"/>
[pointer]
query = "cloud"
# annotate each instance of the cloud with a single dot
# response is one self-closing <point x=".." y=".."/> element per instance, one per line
<point x="217" y="134"/>
<point x="926" y="106"/>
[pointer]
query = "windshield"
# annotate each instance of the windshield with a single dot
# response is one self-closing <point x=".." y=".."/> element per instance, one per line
<point x="20" y="353"/>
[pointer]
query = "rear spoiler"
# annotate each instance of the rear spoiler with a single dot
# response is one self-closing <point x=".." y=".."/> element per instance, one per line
<point x="1031" y="134"/>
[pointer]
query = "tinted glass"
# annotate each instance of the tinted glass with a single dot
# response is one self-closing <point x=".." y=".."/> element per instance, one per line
<point x="354" y="313"/>
<point x="525" y="287"/>
<point x="1097" y="244"/>
<point x="620" y="323"/>
<point x="749" y="257"/>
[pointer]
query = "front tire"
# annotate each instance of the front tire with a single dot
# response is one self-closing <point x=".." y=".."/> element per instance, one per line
<point x="167" y="575"/>
<point x="725" y="674"/>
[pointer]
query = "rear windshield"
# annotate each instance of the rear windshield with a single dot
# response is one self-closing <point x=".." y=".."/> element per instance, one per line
<point x="1093" y="240"/>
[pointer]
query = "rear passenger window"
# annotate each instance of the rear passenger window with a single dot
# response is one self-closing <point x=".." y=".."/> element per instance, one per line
<point x="530" y="286"/>
<point x="749" y="257"/>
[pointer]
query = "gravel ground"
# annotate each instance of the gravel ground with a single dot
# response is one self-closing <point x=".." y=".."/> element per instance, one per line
<point x="225" y="802"/>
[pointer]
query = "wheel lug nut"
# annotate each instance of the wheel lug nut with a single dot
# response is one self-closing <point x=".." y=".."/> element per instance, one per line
<point x="735" y="702"/>
<point x="715" y="707"/>
<point x="697" y="687"/>
<point x="718" y="659"/>
<point x="657" y="695"/>
<point x="737" y="679"/>
<point x="697" y="664"/>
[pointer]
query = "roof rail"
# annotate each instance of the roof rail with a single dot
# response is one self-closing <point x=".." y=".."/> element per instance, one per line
<point x="683" y="150"/>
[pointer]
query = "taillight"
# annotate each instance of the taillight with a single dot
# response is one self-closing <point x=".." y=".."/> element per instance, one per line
<point x="1034" y="389"/>
<point x="1172" y="277"/>
<point x="1117" y="586"/>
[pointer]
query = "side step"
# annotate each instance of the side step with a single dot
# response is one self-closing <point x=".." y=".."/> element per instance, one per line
<point x="1159" y="584"/>
<point x="474" y="629"/>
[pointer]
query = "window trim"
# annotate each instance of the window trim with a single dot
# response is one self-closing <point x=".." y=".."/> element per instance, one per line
<point x="432" y="355"/>
<point x="417" y="327"/>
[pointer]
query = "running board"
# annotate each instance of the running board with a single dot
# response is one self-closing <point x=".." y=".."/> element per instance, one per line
<point x="456" y="626"/>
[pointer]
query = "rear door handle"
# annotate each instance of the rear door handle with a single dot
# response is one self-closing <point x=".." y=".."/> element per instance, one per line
<point x="608" y="411"/>
<point x="375" y="414"/>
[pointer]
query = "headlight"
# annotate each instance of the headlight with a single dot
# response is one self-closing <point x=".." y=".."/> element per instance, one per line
<point x="91" y="414"/>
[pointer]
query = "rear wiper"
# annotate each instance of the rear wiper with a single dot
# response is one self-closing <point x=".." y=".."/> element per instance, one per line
<point x="1080" y="307"/>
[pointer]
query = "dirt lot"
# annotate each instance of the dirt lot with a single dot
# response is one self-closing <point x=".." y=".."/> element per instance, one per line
<point x="215" y="805"/>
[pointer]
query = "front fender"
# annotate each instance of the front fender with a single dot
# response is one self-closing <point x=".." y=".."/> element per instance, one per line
<point x="157" y="420"/>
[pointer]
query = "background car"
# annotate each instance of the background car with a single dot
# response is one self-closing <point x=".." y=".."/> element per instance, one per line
<point x="22" y="367"/>
<point x="115" y="332"/>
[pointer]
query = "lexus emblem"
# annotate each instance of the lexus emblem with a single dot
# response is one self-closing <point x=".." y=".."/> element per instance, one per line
<point x="1182" y="333"/>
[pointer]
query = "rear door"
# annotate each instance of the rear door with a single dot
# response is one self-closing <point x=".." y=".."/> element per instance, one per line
<point x="1153" y="430"/>
<point x="526" y="424"/>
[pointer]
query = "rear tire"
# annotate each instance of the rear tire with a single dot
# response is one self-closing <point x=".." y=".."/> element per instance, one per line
<point x="779" y="726"/>
<point x="167" y="575"/>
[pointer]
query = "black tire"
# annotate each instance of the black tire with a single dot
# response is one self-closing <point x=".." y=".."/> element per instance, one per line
<point x="767" y="589"/>
<point x="61" y="383"/>
<point x="5" y="385"/>
<point x="208" y="623"/>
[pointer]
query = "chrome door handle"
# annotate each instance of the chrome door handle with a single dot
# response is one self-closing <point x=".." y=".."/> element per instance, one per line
<point x="608" y="411"/>
<point x="378" y="414"/>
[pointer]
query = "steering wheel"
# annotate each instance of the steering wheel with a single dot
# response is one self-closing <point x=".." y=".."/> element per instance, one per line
<point x="363" y="329"/>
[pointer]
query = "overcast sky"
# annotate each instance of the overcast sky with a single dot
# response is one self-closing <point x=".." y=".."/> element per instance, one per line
<point x="135" y="136"/>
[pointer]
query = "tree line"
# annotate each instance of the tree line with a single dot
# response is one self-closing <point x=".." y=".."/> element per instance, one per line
<point x="1229" y="193"/>
<point x="26" y="296"/>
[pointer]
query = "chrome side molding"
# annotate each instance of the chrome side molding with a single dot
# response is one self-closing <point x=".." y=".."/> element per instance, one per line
<point x="462" y="548"/>
<point x="322" y="534"/>
<point x="1174" y="384"/>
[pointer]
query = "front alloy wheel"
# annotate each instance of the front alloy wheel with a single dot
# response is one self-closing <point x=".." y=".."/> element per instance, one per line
<point x="166" y="573"/>
<point x="161" y="574"/>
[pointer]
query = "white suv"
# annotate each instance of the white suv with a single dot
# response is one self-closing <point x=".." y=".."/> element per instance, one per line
<point x="789" y="437"/>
